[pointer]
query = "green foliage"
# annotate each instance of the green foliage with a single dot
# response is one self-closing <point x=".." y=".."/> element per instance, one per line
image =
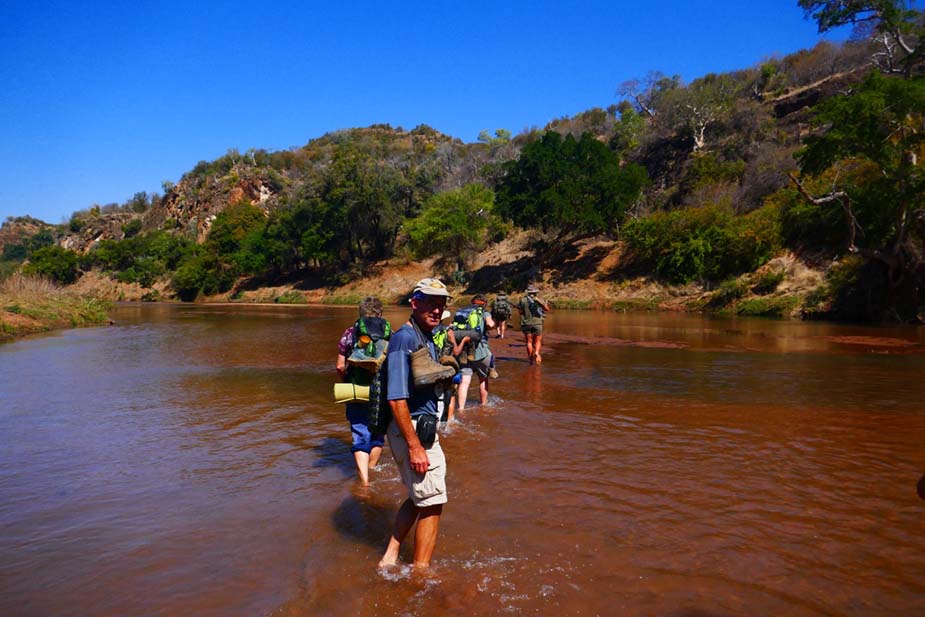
<point x="131" y="228"/>
<point x="15" y="252"/>
<point x="808" y="225"/>
<point x="76" y="224"/>
<point x="231" y="227"/>
<point x="7" y="268"/>
<point x="706" y="169"/>
<point x="290" y="297"/>
<point x="41" y="239"/>
<point x="871" y="148"/>
<point x="690" y="111"/>
<point x="779" y="306"/>
<point x="768" y="282"/>
<point x="140" y="259"/>
<point x="728" y="291"/>
<point x="55" y="263"/>
<point x="202" y="273"/>
<point x="568" y="185"/>
<point x="627" y="129"/>
<point x="453" y="224"/>
<point x="707" y="243"/>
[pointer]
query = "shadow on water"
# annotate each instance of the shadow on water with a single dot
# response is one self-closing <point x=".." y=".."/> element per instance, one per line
<point x="334" y="452"/>
<point x="365" y="518"/>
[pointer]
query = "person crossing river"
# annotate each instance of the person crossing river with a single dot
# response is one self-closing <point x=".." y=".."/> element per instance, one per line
<point x="413" y="377"/>
<point x="533" y="311"/>
<point x="474" y="322"/>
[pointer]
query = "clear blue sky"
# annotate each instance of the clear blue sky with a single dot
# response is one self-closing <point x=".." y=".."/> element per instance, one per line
<point x="104" y="99"/>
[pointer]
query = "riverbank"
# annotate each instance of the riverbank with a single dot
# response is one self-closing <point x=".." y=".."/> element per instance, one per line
<point x="589" y="274"/>
<point x="30" y="306"/>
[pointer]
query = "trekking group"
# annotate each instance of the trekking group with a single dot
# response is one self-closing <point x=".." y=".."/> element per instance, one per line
<point x="404" y="383"/>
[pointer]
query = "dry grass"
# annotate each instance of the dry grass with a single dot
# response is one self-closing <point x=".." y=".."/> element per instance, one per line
<point x="31" y="304"/>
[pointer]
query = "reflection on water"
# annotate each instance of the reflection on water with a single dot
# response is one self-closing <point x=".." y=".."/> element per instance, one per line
<point x="190" y="461"/>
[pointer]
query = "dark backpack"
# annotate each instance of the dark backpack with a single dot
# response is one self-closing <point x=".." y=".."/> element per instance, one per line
<point x="501" y="307"/>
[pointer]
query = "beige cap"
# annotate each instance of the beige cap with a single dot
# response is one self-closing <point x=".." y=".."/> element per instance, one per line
<point x="431" y="287"/>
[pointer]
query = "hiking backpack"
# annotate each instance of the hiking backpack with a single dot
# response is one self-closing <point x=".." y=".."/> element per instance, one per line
<point x="367" y="331"/>
<point x="501" y="307"/>
<point x="469" y="318"/>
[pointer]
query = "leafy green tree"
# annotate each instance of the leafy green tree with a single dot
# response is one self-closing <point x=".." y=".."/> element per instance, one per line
<point x="694" y="109"/>
<point x="453" y="224"/>
<point x="502" y="137"/>
<point x="872" y="147"/>
<point x="232" y="225"/>
<point x="140" y="259"/>
<point x="647" y="94"/>
<point x="627" y="129"/>
<point x="896" y="26"/>
<point x="365" y="199"/>
<point x="202" y="272"/>
<point x="40" y="239"/>
<point x="568" y="185"/>
<point x="15" y="252"/>
<point x="132" y="228"/>
<point x="55" y="263"/>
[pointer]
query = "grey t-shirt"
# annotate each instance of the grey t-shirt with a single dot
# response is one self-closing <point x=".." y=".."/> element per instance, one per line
<point x="398" y="372"/>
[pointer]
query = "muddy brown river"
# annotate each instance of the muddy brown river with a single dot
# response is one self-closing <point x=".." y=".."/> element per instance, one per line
<point x="190" y="461"/>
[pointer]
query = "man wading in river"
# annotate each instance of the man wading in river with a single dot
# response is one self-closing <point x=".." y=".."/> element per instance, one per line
<point x="413" y="374"/>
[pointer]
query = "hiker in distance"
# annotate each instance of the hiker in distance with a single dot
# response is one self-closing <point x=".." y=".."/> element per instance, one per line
<point x="533" y="311"/>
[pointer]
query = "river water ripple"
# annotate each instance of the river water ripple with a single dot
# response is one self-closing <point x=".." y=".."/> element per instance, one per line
<point x="189" y="461"/>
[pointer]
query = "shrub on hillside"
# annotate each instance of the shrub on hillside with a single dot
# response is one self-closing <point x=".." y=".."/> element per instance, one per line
<point x="131" y="228"/>
<point x="808" y="225"/>
<point x="203" y="273"/>
<point x="53" y="262"/>
<point x="140" y="259"/>
<point x="707" y="243"/>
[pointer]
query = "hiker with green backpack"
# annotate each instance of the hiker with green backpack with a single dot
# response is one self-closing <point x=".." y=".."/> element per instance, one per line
<point x="473" y="322"/>
<point x="360" y="353"/>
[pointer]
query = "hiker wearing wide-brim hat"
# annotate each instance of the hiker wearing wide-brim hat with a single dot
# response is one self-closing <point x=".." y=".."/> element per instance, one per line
<point x="533" y="311"/>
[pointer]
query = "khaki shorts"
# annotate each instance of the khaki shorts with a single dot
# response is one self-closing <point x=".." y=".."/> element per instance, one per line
<point x="532" y="328"/>
<point x="428" y="489"/>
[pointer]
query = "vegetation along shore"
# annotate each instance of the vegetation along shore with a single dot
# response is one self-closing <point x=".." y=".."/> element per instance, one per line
<point x="30" y="305"/>
<point x="790" y="188"/>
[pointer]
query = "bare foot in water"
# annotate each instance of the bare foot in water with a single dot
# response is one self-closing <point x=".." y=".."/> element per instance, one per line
<point x="387" y="562"/>
<point x="538" y="359"/>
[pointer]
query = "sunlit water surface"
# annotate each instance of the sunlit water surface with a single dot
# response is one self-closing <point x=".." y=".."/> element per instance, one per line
<point x="189" y="461"/>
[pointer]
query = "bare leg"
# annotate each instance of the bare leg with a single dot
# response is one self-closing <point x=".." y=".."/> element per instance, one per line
<point x="528" y="339"/>
<point x="404" y="520"/>
<point x="483" y="390"/>
<point x="374" y="455"/>
<point x="451" y="411"/>
<point x="362" y="461"/>
<point x="537" y="345"/>
<point x="501" y="328"/>
<point x="463" y="392"/>
<point x="425" y="536"/>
